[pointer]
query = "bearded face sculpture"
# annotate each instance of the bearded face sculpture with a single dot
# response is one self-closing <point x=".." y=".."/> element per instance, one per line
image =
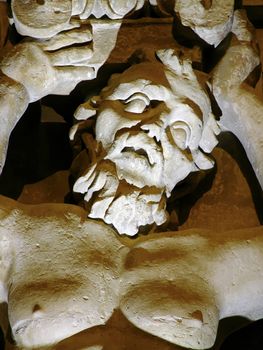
<point x="156" y="126"/>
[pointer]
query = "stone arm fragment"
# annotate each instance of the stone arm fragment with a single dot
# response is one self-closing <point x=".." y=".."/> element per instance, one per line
<point x="14" y="100"/>
<point x="41" y="19"/>
<point x="242" y="110"/>
<point x="34" y="69"/>
<point x="243" y="116"/>
<point x="44" y="19"/>
<point x="51" y="66"/>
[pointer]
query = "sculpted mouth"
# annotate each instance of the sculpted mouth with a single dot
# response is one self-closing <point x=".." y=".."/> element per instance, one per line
<point x="139" y="152"/>
<point x="139" y="144"/>
<point x="138" y="159"/>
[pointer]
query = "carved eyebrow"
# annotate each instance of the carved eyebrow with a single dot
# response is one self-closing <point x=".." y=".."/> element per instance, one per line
<point x="136" y="95"/>
<point x="125" y="90"/>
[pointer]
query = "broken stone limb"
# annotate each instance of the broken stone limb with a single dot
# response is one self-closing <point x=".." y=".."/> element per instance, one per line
<point x="104" y="33"/>
<point x="242" y="110"/>
<point x="54" y="66"/>
<point x="64" y="274"/>
<point x="210" y="20"/>
<point x="209" y="25"/>
<point x="243" y="116"/>
<point x="44" y="19"/>
<point x="46" y="73"/>
<point x="61" y="64"/>
<point x="14" y="100"/>
<point x="41" y="19"/>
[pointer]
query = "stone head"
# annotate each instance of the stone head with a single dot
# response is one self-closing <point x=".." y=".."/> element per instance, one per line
<point x="155" y="125"/>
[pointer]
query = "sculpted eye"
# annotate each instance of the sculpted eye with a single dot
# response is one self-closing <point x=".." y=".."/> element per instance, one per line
<point x="137" y="103"/>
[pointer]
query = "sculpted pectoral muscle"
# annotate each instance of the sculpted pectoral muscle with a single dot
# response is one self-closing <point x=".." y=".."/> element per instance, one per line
<point x="64" y="272"/>
<point x="178" y="285"/>
<point x="63" y="275"/>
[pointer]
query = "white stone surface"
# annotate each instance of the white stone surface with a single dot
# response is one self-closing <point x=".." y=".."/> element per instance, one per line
<point x="44" y="19"/>
<point x="54" y="66"/>
<point x="170" y="121"/>
<point x="64" y="274"/>
<point x="211" y="24"/>
<point x="41" y="19"/>
<point x="242" y="109"/>
<point x="113" y="9"/>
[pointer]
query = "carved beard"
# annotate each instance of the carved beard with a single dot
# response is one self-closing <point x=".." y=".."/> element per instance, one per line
<point x="127" y="207"/>
<point x="129" y="185"/>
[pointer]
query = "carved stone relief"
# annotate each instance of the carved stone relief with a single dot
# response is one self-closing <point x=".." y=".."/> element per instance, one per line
<point x="171" y="125"/>
<point x="144" y="140"/>
<point x="45" y="18"/>
<point x="211" y="20"/>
